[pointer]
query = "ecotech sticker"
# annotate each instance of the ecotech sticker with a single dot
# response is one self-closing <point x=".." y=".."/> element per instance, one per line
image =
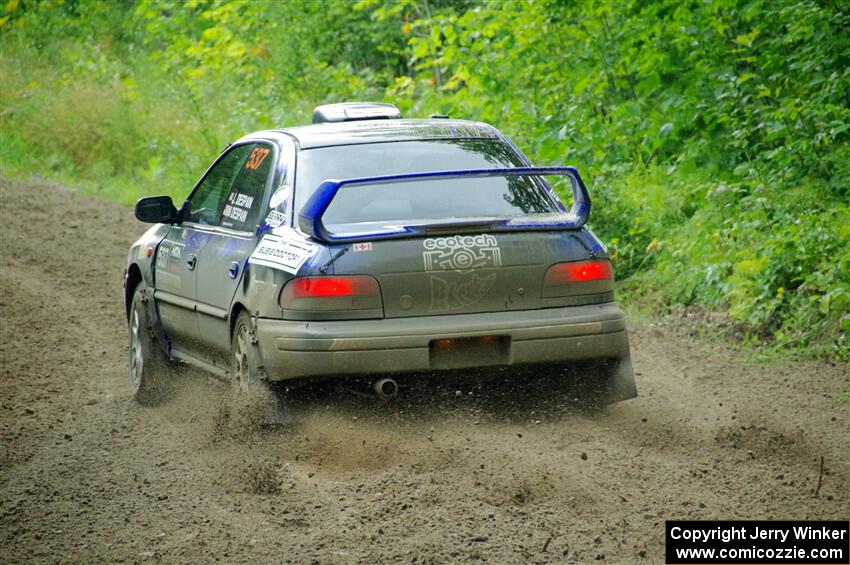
<point x="459" y="256"/>
<point x="461" y="253"/>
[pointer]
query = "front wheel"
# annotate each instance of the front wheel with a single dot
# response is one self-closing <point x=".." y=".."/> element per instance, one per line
<point x="149" y="365"/>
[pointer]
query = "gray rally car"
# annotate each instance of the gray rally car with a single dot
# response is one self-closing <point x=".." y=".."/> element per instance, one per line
<point x="373" y="246"/>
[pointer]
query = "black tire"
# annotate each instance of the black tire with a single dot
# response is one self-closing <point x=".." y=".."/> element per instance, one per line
<point x="246" y="372"/>
<point x="149" y="365"/>
<point x="249" y="380"/>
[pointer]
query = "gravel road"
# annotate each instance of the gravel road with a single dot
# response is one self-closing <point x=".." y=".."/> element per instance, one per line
<point x="87" y="475"/>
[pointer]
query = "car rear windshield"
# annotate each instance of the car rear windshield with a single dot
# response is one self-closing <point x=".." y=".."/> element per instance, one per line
<point x="410" y="202"/>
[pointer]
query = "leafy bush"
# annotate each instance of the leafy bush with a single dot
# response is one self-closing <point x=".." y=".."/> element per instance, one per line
<point x="714" y="136"/>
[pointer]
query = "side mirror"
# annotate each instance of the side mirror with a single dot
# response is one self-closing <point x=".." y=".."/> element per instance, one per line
<point x="157" y="210"/>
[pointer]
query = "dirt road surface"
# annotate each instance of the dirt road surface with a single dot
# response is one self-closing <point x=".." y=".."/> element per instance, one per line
<point x="87" y="475"/>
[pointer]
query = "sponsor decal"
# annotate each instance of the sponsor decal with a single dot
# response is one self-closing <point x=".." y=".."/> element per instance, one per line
<point x="165" y="253"/>
<point x="275" y="219"/>
<point x="241" y="200"/>
<point x="162" y="257"/>
<point x="365" y="246"/>
<point x="235" y="213"/>
<point x="461" y="253"/>
<point x="282" y="254"/>
<point x="448" y="295"/>
<point x="279" y="197"/>
<point x="238" y="206"/>
<point x="257" y="156"/>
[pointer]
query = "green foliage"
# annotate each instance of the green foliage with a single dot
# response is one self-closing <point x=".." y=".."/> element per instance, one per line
<point x="714" y="136"/>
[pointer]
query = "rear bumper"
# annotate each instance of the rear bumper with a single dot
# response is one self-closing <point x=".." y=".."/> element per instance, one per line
<point x="294" y="349"/>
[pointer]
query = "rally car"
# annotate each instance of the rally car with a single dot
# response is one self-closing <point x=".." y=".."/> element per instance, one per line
<point x="370" y="246"/>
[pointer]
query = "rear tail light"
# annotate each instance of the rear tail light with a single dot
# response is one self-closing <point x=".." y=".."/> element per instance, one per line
<point x="329" y="287"/>
<point x="580" y="271"/>
<point x="580" y="277"/>
<point x="331" y="294"/>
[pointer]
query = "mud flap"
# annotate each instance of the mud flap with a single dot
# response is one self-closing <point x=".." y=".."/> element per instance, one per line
<point x="621" y="380"/>
<point x="260" y="364"/>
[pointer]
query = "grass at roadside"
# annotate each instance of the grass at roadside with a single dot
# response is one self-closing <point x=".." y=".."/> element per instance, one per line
<point x="718" y="185"/>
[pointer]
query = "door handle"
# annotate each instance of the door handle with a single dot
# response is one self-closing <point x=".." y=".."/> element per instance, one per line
<point x="233" y="270"/>
<point x="191" y="262"/>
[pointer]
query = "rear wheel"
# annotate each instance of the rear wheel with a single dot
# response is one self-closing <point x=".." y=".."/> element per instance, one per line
<point x="246" y="373"/>
<point x="247" y="376"/>
<point x="149" y="365"/>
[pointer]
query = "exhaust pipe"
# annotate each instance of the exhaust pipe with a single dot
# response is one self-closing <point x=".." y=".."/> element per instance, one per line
<point x="385" y="388"/>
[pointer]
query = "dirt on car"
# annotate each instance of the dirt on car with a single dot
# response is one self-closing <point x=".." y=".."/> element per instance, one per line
<point x="454" y="473"/>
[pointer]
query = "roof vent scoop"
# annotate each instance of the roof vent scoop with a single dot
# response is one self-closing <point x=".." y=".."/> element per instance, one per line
<point x="354" y="111"/>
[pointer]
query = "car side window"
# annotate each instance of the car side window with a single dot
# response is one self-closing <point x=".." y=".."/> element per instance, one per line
<point x="208" y="199"/>
<point x="242" y="208"/>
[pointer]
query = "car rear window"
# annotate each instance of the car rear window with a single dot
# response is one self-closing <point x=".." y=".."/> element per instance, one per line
<point x="424" y="200"/>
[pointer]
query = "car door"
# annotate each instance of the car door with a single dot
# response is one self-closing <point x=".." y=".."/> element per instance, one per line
<point x="225" y="254"/>
<point x="177" y="260"/>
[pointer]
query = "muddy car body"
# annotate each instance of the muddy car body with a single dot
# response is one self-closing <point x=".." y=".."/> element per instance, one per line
<point x="366" y="244"/>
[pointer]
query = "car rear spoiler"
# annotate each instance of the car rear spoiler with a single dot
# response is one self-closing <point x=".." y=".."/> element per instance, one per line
<point x="310" y="218"/>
